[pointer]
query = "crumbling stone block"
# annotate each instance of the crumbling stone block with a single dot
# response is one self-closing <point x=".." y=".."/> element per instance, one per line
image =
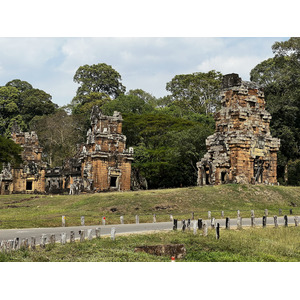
<point x="242" y="149"/>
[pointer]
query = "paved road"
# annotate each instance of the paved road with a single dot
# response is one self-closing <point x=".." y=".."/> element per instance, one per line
<point x="10" y="234"/>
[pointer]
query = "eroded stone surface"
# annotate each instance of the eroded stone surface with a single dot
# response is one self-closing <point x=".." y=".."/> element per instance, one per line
<point x="103" y="163"/>
<point x="242" y="149"/>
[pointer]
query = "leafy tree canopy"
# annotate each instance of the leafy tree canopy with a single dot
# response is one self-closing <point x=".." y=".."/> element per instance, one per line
<point x="196" y="92"/>
<point x="97" y="78"/>
<point x="20" y="102"/>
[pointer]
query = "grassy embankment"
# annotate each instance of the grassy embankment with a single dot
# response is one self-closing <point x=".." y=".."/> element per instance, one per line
<point x="252" y="244"/>
<point x="21" y="211"/>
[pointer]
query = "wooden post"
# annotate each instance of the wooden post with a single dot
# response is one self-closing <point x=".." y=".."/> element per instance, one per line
<point x="98" y="232"/>
<point x="52" y="239"/>
<point x="275" y="221"/>
<point x="222" y="214"/>
<point x="212" y="223"/>
<point x="264" y="221"/>
<point x="137" y="219"/>
<point x="218" y="231"/>
<point x="238" y="214"/>
<point x="103" y="220"/>
<point x="280" y="212"/>
<point x="72" y="237"/>
<point x="63" y="221"/>
<point x="89" y="234"/>
<point x="33" y="242"/>
<point x="266" y="212"/>
<point x="204" y="228"/>
<point x="227" y="223"/>
<point x="43" y="241"/>
<point x="252" y="221"/>
<point x="17" y="243"/>
<point x="296" y="220"/>
<point x="175" y="224"/>
<point x="183" y="225"/>
<point x="239" y="223"/>
<point x="82" y="235"/>
<point x="122" y="219"/>
<point x="285" y="220"/>
<point x="209" y="214"/>
<point x="63" y="238"/>
<point x="199" y="223"/>
<point x="82" y="220"/>
<point x="113" y="233"/>
<point x="252" y="213"/>
<point x="154" y="218"/>
<point x="195" y="227"/>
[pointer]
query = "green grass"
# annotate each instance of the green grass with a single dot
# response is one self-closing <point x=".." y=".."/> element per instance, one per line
<point x="21" y="211"/>
<point x="247" y="245"/>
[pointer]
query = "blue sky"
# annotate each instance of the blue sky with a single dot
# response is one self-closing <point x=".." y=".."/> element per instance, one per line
<point x="148" y="63"/>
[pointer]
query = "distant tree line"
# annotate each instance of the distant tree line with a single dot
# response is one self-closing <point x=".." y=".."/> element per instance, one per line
<point x="167" y="133"/>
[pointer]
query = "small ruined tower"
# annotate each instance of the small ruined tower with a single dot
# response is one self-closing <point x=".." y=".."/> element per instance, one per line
<point x="106" y="163"/>
<point x="242" y="149"/>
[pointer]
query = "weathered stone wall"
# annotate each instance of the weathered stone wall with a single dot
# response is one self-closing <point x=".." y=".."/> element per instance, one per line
<point x="102" y="163"/>
<point x="241" y="150"/>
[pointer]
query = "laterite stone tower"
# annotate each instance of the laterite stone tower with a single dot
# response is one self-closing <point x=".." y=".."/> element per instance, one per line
<point x="242" y="149"/>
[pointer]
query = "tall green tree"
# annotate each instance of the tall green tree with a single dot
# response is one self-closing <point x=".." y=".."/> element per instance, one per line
<point x="97" y="78"/>
<point x="196" y="92"/>
<point x="20" y="103"/>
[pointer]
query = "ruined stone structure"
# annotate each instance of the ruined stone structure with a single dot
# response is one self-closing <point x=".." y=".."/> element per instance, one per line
<point x="30" y="176"/>
<point x="103" y="163"/>
<point x="241" y="150"/>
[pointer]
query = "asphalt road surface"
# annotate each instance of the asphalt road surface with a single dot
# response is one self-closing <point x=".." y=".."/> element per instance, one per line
<point x="10" y="234"/>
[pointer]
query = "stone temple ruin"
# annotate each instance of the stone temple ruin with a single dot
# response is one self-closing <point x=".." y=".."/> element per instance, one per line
<point x="102" y="164"/>
<point x="241" y="150"/>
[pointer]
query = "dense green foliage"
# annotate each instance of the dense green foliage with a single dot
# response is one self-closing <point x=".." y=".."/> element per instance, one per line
<point x="20" y="103"/>
<point x="197" y="92"/>
<point x="9" y="152"/>
<point x="280" y="77"/>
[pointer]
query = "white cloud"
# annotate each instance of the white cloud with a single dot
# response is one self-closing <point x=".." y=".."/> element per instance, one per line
<point x="147" y="63"/>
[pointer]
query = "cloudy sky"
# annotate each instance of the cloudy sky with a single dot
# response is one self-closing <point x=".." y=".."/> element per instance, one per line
<point x="147" y="63"/>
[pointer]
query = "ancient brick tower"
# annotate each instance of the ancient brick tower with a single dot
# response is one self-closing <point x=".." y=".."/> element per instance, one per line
<point x="241" y="150"/>
<point x="106" y="163"/>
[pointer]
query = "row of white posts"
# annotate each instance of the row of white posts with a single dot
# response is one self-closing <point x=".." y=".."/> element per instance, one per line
<point x="16" y="244"/>
<point x="266" y="213"/>
<point x="137" y="219"/>
<point x="203" y="224"/>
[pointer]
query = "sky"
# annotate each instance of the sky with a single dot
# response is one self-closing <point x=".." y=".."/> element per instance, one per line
<point x="148" y="63"/>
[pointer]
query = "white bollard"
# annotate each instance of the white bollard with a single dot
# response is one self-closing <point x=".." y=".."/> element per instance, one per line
<point x="113" y="233"/>
<point x="89" y="234"/>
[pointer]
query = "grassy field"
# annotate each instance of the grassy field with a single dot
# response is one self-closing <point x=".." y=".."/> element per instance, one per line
<point x="247" y="245"/>
<point x="21" y="211"/>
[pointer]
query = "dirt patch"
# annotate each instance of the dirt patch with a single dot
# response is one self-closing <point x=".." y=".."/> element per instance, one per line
<point x="23" y="200"/>
<point x="177" y="250"/>
<point x="164" y="207"/>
